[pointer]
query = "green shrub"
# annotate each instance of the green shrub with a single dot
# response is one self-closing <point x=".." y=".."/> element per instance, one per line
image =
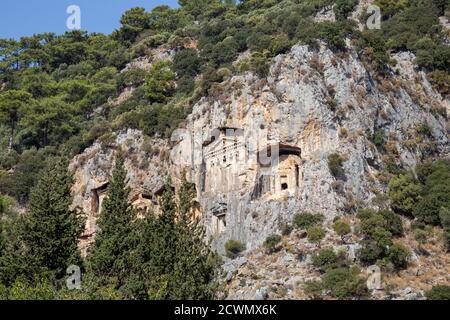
<point x="185" y="85"/>
<point x="22" y="289"/>
<point x="325" y="259"/>
<point x="186" y="63"/>
<point x="398" y="255"/>
<point x="382" y="236"/>
<point x="316" y="234"/>
<point x="233" y="248"/>
<point x="131" y="78"/>
<point x="306" y="220"/>
<point x="8" y="159"/>
<point x="314" y="289"/>
<point x="392" y="222"/>
<point x="342" y="228"/>
<point x="279" y="45"/>
<point x="335" y="162"/>
<point x="378" y="229"/>
<point x="379" y="138"/>
<point x="334" y="33"/>
<point x="342" y="8"/>
<point x="441" y="81"/>
<point x="435" y="178"/>
<point x="258" y="64"/>
<point x="385" y="219"/>
<point x="370" y="252"/>
<point x="390" y="7"/>
<point x="345" y="283"/>
<point x="420" y="235"/>
<point x="160" y="82"/>
<point x="444" y="216"/>
<point x="424" y="129"/>
<point x="341" y="283"/>
<point x="404" y="193"/>
<point x="427" y="209"/>
<point x="272" y="242"/>
<point x="6" y="204"/>
<point x="439" y="292"/>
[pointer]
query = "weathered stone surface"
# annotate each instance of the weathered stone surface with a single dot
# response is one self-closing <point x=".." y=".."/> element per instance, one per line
<point x="147" y="166"/>
<point x="317" y="103"/>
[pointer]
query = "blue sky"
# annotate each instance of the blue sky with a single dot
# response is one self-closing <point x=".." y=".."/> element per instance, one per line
<point x="26" y="17"/>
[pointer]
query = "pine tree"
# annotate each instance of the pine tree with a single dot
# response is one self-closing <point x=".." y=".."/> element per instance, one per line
<point x="50" y="230"/>
<point x="110" y="258"/>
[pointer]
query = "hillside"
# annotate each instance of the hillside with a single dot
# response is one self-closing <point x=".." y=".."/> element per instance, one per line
<point x="308" y="147"/>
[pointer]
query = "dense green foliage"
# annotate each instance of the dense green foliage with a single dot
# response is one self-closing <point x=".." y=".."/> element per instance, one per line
<point x="426" y="198"/>
<point x="316" y="234"/>
<point x="342" y="228"/>
<point x="157" y="257"/>
<point x="306" y="220"/>
<point x="42" y="244"/>
<point x="339" y="283"/>
<point x="172" y="261"/>
<point x="404" y="193"/>
<point x="379" y="228"/>
<point x="441" y="292"/>
<point x="327" y="259"/>
<point x="115" y="240"/>
<point x="435" y="179"/>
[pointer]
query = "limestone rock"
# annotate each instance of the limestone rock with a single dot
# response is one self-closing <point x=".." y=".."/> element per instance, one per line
<point x="147" y="166"/>
<point x="311" y="105"/>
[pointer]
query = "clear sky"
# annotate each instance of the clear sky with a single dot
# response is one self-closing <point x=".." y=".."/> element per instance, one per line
<point x="26" y="17"/>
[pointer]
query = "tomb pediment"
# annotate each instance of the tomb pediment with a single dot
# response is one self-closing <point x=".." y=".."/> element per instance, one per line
<point x="219" y="217"/>
<point x="223" y="132"/>
<point x="219" y="209"/>
<point x="219" y="143"/>
<point x="223" y="158"/>
<point x="222" y="145"/>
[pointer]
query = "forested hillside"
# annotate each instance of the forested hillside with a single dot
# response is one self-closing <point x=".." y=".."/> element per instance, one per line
<point x="59" y="94"/>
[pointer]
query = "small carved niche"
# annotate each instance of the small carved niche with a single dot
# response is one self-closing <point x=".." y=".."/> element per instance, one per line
<point x="278" y="174"/>
<point x="219" y="218"/>
<point x="98" y="195"/>
<point x="220" y="223"/>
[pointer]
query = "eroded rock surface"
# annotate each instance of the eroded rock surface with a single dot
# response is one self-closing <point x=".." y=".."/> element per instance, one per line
<point x="312" y="105"/>
<point x="146" y="162"/>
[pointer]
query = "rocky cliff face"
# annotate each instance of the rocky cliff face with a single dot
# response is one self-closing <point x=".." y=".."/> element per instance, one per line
<point x="147" y="166"/>
<point x="282" y="274"/>
<point x="318" y="104"/>
<point x="257" y="148"/>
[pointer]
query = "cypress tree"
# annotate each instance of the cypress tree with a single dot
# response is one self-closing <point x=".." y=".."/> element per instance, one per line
<point x="110" y="259"/>
<point x="161" y="244"/>
<point x="50" y="230"/>
<point x="194" y="268"/>
<point x="173" y="261"/>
